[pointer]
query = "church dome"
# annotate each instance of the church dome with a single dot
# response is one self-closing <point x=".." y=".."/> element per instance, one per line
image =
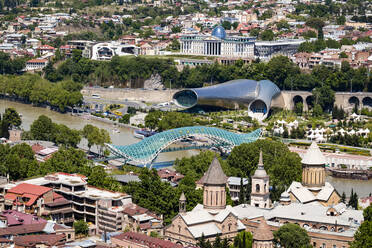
<point x="313" y="156"/>
<point x="263" y="232"/>
<point x="219" y="32"/>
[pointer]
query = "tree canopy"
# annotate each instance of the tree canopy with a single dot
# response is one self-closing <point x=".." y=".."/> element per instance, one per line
<point x="292" y="236"/>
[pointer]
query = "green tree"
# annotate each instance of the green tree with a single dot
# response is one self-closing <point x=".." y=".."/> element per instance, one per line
<point x="226" y="25"/>
<point x="317" y="110"/>
<point x="99" y="178"/>
<point x="283" y="166"/>
<point x="244" y="239"/>
<point x="152" y="119"/>
<point x="367" y="213"/>
<point x="176" y="29"/>
<point x="363" y="236"/>
<point x="125" y="119"/>
<point x="324" y="96"/>
<point x="299" y="108"/>
<point x="69" y="160"/>
<point x="267" y="34"/>
<point x="342" y="55"/>
<point x="242" y="194"/>
<point x="81" y="227"/>
<point x="175" y="45"/>
<point x="43" y="129"/>
<point x="293" y="236"/>
<point x="254" y="32"/>
<point x="66" y="136"/>
<point x="12" y="118"/>
<point x="279" y="68"/>
<point x="343" y="197"/>
<point x="341" y="20"/>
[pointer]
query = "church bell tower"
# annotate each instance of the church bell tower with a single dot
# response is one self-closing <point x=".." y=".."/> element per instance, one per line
<point x="260" y="194"/>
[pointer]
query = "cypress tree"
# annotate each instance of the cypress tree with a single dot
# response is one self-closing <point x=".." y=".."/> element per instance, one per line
<point x="343" y="197"/>
<point x="241" y="192"/>
<point x="351" y="198"/>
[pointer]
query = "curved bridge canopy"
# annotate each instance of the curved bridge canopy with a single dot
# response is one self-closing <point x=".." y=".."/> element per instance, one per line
<point x="145" y="151"/>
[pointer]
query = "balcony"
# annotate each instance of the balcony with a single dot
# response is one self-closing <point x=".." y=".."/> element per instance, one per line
<point x="65" y="209"/>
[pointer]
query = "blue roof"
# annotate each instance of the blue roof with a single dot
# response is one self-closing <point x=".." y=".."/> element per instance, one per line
<point x="219" y="32"/>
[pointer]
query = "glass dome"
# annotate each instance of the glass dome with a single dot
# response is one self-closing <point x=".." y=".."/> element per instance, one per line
<point x="219" y="32"/>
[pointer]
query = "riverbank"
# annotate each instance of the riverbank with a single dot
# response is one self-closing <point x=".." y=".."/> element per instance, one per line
<point x="105" y="120"/>
<point x="127" y="94"/>
<point x="350" y="174"/>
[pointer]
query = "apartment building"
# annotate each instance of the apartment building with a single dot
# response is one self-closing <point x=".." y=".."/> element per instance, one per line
<point x="104" y="210"/>
<point x="39" y="200"/>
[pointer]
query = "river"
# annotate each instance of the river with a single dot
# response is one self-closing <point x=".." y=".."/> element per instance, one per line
<point x="125" y="137"/>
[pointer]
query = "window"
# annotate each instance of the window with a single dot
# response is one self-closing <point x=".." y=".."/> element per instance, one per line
<point x="257" y="188"/>
<point x="323" y="245"/>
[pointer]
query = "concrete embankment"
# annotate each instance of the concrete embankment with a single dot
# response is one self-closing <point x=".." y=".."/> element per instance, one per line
<point x="153" y="96"/>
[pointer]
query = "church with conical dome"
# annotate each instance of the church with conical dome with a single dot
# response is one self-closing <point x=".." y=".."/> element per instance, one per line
<point x="313" y="187"/>
<point x="213" y="218"/>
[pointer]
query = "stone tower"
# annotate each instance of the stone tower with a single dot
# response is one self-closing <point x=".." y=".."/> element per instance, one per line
<point x="262" y="236"/>
<point x="214" y="185"/>
<point x="313" y="167"/>
<point x="182" y="204"/>
<point x="260" y="194"/>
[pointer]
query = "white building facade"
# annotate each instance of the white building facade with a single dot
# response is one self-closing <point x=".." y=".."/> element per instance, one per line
<point x="218" y="44"/>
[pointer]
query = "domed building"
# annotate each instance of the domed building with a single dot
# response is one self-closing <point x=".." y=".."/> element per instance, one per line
<point x="213" y="218"/>
<point x="314" y="188"/>
<point x="262" y="236"/>
<point x="218" y="43"/>
<point x="219" y="32"/>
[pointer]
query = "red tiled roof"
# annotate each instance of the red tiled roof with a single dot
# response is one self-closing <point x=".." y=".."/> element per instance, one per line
<point x="37" y="148"/>
<point x="17" y="218"/>
<point x="32" y="198"/>
<point x="143" y="239"/>
<point x="10" y="196"/>
<point x="134" y="209"/>
<point x="37" y="61"/>
<point x="46" y="47"/>
<point x="24" y="188"/>
<point x="4" y="240"/>
<point x="46" y="239"/>
<point x="22" y="229"/>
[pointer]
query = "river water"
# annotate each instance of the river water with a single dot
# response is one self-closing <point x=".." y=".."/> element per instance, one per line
<point x="125" y="137"/>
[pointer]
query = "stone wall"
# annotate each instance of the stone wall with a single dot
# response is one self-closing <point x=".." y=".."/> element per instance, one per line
<point x="153" y="96"/>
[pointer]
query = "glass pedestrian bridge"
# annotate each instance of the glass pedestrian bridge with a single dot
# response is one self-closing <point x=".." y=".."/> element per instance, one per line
<point x="146" y="151"/>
